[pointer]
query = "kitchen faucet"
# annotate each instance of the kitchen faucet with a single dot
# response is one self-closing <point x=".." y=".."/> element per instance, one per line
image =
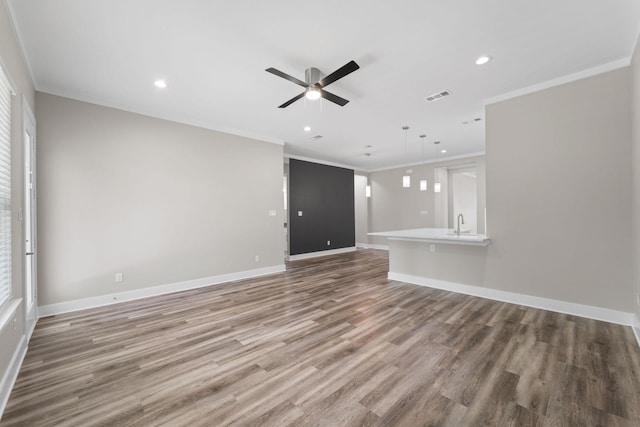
<point x="460" y="217"/>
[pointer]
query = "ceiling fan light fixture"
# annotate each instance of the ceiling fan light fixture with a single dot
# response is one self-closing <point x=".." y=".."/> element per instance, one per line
<point x="312" y="93"/>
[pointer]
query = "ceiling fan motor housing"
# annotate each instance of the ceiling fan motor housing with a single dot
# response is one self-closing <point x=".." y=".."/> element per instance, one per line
<point x="312" y="76"/>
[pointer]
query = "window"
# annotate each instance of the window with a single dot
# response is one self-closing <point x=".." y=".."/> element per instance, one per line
<point x="5" y="188"/>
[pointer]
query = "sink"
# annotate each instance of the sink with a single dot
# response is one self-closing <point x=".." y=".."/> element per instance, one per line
<point x="463" y="231"/>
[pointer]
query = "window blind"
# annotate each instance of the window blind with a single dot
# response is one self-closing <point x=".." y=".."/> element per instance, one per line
<point x="5" y="188"/>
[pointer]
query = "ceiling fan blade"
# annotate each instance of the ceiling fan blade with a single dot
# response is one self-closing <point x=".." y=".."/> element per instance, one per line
<point x="292" y="100"/>
<point x="348" y="68"/>
<point x="286" y="76"/>
<point x="333" y="98"/>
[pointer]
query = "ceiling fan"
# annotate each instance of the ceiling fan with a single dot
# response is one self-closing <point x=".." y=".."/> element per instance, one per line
<point x="314" y="85"/>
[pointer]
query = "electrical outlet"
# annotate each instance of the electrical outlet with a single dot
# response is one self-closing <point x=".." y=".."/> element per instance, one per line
<point x="119" y="277"/>
<point x="328" y="242"/>
<point x="432" y="247"/>
<point x="15" y="325"/>
<point x="424" y="212"/>
<point x="257" y="258"/>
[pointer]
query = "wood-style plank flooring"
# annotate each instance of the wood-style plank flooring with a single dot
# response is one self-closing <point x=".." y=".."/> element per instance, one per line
<point x="330" y="342"/>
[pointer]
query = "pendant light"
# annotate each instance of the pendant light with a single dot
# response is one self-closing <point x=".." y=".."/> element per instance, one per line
<point x="423" y="182"/>
<point x="406" y="179"/>
<point x="367" y="188"/>
<point x="437" y="187"/>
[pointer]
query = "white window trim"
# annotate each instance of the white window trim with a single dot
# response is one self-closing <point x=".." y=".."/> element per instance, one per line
<point x="10" y="304"/>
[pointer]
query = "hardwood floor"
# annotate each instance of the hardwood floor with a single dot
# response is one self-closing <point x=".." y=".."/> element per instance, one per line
<point x="330" y="342"/>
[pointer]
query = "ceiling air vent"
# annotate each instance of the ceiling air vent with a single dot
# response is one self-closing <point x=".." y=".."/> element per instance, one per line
<point x="438" y="95"/>
<point x="316" y="137"/>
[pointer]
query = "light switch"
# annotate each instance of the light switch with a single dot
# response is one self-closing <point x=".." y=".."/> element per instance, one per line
<point x="299" y="213"/>
<point x="272" y="213"/>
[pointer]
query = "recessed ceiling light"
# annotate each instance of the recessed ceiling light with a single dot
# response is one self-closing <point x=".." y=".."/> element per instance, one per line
<point x="443" y="151"/>
<point x="483" y="60"/>
<point x="307" y="128"/>
<point x="160" y="84"/>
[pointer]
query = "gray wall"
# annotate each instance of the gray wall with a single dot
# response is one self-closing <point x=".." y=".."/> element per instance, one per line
<point x="15" y="66"/>
<point x="159" y="201"/>
<point x="559" y="197"/>
<point x="635" y="128"/>
<point x="392" y="207"/>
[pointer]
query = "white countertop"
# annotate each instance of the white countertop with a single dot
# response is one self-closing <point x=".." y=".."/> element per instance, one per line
<point x="435" y="235"/>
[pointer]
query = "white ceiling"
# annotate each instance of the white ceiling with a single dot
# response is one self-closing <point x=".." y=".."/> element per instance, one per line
<point x="213" y="55"/>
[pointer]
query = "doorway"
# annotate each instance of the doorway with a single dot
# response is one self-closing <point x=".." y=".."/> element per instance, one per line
<point x="29" y="209"/>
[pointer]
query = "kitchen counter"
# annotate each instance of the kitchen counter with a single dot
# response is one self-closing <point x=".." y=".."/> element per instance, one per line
<point x="435" y="235"/>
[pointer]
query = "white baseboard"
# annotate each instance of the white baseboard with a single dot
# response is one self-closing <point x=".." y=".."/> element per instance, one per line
<point x="102" y="300"/>
<point x="379" y="247"/>
<point x="636" y="328"/>
<point x="321" y="253"/>
<point x="590" y="312"/>
<point x="372" y="246"/>
<point x="11" y="374"/>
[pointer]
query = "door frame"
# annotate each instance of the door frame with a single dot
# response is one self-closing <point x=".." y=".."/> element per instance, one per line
<point x="29" y="153"/>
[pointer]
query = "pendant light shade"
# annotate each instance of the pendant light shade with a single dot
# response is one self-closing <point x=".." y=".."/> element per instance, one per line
<point x="436" y="187"/>
<point x="367" y="191"/>
<point x="406" y="181"/>
<point x="423" y="185"/>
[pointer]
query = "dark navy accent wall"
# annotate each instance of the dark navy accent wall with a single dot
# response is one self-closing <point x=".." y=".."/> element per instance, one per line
<point x="324" y="195"/>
